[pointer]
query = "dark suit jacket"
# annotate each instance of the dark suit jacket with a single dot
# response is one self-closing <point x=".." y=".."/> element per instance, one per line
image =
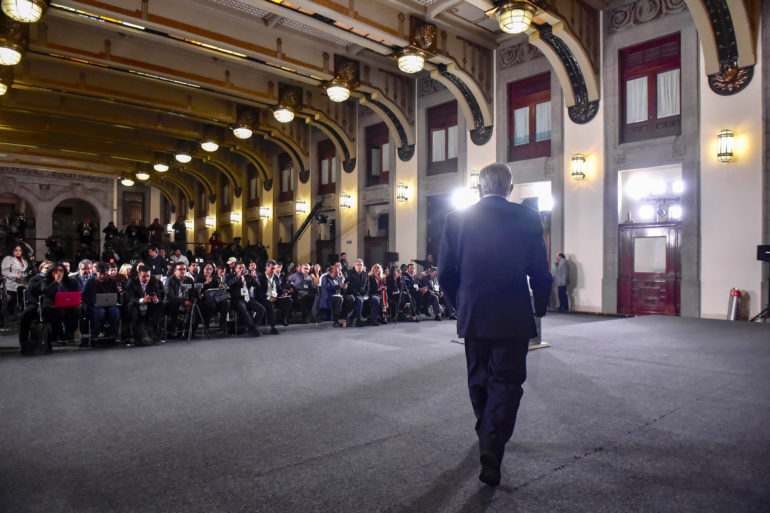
<point x="487" y="252"/>
<point x="358" y="284"/>
<point x="172" y="290"/>
<point x="235" y="284"/>
<point x="133" y="290"/>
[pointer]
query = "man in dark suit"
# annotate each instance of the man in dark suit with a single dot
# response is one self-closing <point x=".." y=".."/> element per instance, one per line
<point x="143" y="296"/>
<point x="176" y="297"/>
<point x="249" y="311"/>
<point x="494" y="310"/>
<point x="270" y="295"/>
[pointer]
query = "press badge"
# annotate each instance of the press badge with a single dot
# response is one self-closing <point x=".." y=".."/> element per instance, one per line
<point x="245" y="293"/>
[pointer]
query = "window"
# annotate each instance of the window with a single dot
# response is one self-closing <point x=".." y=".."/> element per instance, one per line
<point x="442" y="138"/>
<point x="327" y="168"/>
<point x="377" y="154"/>
<point x="650" y="89"/>
<point x="252" y="196"/>
<point x="529" y="102"/>
<point x="286" y="167"/>
<point x="133" y="206"/>
<point x="202" y="208"/>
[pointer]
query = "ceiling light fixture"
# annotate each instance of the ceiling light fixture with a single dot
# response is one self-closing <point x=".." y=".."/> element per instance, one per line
<point x="515" y="17"/>
<point x="142" y="172"/>
<point x="162" y="163"/>
<point x="211" y="138"/>
<point x="6" y="79"/>
<point x="337" y="91"/>
<point x="410" y="60"/>
<point x="127" y="181"/>
<point x="245" y="123"/>
<point x="25" y="11"/>
<point x="422" y="45"/>
<point x="183" y="152"/>
<point x="14" y="40"/>
<point x="283" y="114"/>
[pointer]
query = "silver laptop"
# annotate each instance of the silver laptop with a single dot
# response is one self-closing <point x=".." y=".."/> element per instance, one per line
<point x="106" y="299"/>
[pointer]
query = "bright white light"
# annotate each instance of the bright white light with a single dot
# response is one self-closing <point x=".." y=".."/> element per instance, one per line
<point x="169" y="229"/>
<point x="283" y="114"/>
<point x="411" y="62"/>
<point x="184" y="158"/>
<point x="9" y="56"/>
<point x="242" y="132"/>
<point x="545" y="203"/>
<point x="638" y="186"/>
<point x="514" y="19"/>
<point x="646" y="212"/>
<point x="209" y="145"/>
<point x="210" y="222"/>
<point x="338" y="93"/>
<point x="677" y="187"/>
<point x="658" y="188"/>
<point x="188" y="224"/>
<point x="675" y="211"/>
<point x="142" y="175"/>
<point x="463" y="198"/>
<point x="25" y="11"/>
<point x="126" y="182"/>
<point x="160" y="167"/>
<point x="3" y="89"/>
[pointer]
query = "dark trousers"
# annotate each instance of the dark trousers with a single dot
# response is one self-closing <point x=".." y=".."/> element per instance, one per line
<point x="283" y="304"/>
<point x="209" y="307"/>
<point x="563" y="300"/>
<point x="29" y="315"/>
<point x="98" y="316"/>
<point x="448" y="308"/>
<point x="142" y="320"/>
<point x="375" y="307"/>
<point x="250" y="312"/>
<point x="58" y="317"/>
<point x="496" y="370"/>
<point x="430" y="299"/>
<point x="305" y="300"/>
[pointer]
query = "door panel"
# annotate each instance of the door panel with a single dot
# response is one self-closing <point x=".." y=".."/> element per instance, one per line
<point x="650" y="269"/>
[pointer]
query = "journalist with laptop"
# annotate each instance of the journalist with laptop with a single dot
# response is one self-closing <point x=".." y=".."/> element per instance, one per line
<point x="100" y="298"/>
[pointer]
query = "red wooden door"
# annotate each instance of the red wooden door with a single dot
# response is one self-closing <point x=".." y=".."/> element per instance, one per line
<point x="374" y="251"/>
<point x="650" y="270"/>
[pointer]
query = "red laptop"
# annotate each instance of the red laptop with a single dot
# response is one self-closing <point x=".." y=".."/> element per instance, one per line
<point x="66" y="299"/>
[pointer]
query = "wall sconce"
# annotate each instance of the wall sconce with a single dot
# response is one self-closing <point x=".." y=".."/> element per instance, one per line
<point x="302" y="207"/>
<point x="264" y="212"/>
<point x="515" y="17"/>
<point x="210" y="222"/>
<point x="578" y="167"/>
<point x="402" y="192"/>
<point x="474" y="180"/>
<point x="346" y="201"/>
<point x="235" y="217"/>
<point x="725" y="145"/>
<point x="169" y="229"/>
<point x="25" y="11"/>
<point x="188" y="224"/>
<point x="247" y="120"/>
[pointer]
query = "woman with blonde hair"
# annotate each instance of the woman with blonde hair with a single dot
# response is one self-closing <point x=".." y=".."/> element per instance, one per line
<point x="377" y="287"/>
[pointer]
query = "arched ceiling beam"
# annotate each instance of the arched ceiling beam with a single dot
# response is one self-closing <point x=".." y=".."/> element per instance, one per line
<point x="728" y="38"/>
<point x="255" y="159"/>
<point x="345" y="147"/>
<point x="300" y="157"/>
<point x="180" y="184"/>
<point x="399" y="127"/>
<point x="163" y="188"/>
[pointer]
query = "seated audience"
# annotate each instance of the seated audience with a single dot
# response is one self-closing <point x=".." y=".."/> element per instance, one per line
<point x="430" y="298"/>
<point x="250" y="312"/>
<point x="99" y="315"/>
<point x="378" y="289"/>
<point x="303" y="291"/>
<point x="358" y="288"/>
<point x="399" y="296"/>
<point x="331" y="299"/>
<point x="61" y="320"/>
<point x="216" y="298"/>
<point x="270" y="295"/>
<point x="177" y="292"/>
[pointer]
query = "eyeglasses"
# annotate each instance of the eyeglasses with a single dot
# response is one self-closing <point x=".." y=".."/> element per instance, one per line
<point x="181" y="269"/>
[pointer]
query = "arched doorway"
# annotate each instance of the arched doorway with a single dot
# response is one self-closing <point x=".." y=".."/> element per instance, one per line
<point x="67" y="216"/>
<point x="17" y="219"/>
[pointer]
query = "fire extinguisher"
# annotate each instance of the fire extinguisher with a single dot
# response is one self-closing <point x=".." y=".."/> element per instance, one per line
<point x="735" y="305"/>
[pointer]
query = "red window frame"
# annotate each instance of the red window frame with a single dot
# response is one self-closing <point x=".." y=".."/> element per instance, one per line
<point x="285" y="163"/>
<point x="376" y="137"/>
<point x="647" y="60"/>
<point x="528" y="92"/>
<point x="326" y="151"/>
<point x="442" y="117"/>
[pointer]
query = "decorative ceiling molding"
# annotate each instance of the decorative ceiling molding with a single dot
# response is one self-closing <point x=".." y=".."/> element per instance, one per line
<point x="518" y="54"/>
<point x="640" y="12"/>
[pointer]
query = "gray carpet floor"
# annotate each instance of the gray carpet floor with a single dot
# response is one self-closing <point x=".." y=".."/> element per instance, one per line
<point x="647" y="414"/>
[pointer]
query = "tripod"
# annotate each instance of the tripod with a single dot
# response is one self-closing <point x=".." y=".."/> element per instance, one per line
<point x="403" y="291"/>
<point x="194" y="309"/>
<point x="764" y="315"/>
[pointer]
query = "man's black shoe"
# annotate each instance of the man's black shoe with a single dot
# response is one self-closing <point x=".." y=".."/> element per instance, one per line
<point x="490" y="469"/>
<point x="437" y="318"/>
<point x="285" y="322"/>
<point x="253" y="331"/>
<point x="273" y="331"/>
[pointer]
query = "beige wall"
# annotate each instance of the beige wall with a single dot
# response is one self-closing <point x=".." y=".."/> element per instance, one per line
<point x="406" y="212"/>
<point x="304" y="244"/>
<point x="348" y="219"/>
<point x="584" y="212"/>
<point x="731" y="197"/>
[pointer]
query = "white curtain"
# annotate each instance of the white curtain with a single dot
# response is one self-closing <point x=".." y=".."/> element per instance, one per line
<point x="386" y="157"/>
<point x="333" y="170"/>
<point x="668" y="93"/>
<point x="375" y="162"/>
<point x="291" y="178"/>
<point x="543" y="121"/>
<point x="451" y="150"/>
<point x="636" y="100"/>
<point x="521" y="126"/>
<point x="324" y="171"/>
<point x="438" y="139"/>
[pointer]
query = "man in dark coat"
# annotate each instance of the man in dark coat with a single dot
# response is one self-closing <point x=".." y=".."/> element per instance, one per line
<point x="494" y="310"/>
<point x="143" y="296"/>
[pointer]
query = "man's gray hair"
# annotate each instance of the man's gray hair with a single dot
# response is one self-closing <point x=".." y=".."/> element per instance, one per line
<point x="495" y="179"/>
<point x="358" y="260"/>
<point x="83" y="262"/>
